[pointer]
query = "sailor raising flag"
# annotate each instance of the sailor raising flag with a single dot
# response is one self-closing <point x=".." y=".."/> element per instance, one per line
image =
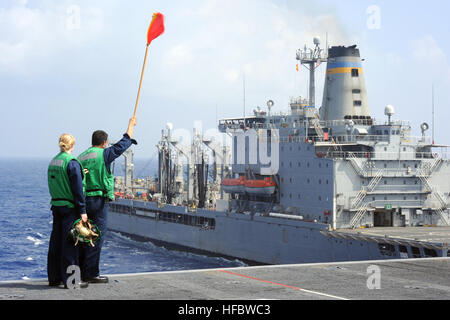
<point x="81" y="187"/>
<point x="99" y="178"/>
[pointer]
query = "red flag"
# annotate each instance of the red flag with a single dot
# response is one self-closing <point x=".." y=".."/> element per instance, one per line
<point x="156" y="27"/>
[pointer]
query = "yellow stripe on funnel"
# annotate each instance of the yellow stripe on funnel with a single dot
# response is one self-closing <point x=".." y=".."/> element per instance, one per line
<point x="343" y="70"/>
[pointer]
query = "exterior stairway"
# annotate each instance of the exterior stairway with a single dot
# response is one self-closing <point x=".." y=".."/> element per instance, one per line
<point x="357" y="217"/>
<point x="360" y="197"/>
<point x="356" y="164"/>
<point x="424" y="174"/>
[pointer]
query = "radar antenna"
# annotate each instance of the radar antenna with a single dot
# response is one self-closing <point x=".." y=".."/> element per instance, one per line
<point x="311" y="59"/>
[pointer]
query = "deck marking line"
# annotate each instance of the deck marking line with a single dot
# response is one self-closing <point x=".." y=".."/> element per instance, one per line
<point x="285" y="285"/>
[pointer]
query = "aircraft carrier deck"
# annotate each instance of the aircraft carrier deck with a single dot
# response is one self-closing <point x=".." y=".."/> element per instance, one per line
<point x="407" y="279"/>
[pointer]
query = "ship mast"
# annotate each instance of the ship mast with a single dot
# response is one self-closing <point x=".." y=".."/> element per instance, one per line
<point x="311" y="59"/>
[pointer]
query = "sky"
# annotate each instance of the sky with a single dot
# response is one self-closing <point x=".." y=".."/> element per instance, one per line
<point x="74" y="66"/>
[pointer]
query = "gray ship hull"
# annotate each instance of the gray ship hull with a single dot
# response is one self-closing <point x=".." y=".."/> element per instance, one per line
<point x="261" y="239"/>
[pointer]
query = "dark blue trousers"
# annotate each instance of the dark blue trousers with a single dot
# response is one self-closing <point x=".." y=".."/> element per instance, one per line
<point x="62" y="252"/>
<point x="97" y="211"/>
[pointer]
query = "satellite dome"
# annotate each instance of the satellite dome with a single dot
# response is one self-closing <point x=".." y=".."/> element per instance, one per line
<point x="389" y="110"/>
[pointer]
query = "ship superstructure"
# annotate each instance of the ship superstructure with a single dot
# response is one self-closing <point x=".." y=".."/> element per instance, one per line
<point x="304" y="179"/>
<point x="342" y="167"/>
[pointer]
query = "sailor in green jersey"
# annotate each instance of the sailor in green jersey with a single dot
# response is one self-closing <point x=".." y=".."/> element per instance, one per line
<point x="65" y="184"/>
<point x="99" y="190"/>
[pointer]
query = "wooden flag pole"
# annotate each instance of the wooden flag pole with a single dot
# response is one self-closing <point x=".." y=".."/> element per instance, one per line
<point x="140" y="83"/>
<point x="155" y="30"/>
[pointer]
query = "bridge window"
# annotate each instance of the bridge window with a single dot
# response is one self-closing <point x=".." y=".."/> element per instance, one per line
<point x="357" y="103"/>
<point x="355" y="73"/>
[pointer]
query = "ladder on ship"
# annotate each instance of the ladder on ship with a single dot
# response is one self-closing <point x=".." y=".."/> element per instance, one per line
<point x="358" y="216"/>
<point x="373" y="184"/>
<point x="319" y="131"/>
<point x="356" y="165"/>
<point x="361" y="196"/>
<point x="424" y="175"/>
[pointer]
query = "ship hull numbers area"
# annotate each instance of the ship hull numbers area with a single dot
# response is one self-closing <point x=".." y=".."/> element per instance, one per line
<point x="229" y="309"/>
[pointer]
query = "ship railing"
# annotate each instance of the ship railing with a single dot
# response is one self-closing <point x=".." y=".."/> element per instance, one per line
<point x="365" y="121"/>
<point x="350" y="138"/>
<point x="283" y="117"/>
<point x="400" y="203"/>
<point x="387" y="188"/>
<point x="338" y="139"/>
<point x="343" y="139"/>
<point x="382" y="138"/>
<point x="347" y="155"/>
<point x="392" y="204"/>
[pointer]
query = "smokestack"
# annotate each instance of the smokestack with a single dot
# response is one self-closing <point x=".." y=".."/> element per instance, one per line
<point x="345" y="95"/>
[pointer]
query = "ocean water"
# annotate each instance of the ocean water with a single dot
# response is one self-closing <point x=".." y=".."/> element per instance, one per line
<point x="26" y="224"/>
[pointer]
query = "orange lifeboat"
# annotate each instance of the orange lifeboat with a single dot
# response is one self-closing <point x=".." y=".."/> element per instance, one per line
<point x="234" y="185"/>
<point x="261" y="187"/>
<point x="119" y="194"/>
